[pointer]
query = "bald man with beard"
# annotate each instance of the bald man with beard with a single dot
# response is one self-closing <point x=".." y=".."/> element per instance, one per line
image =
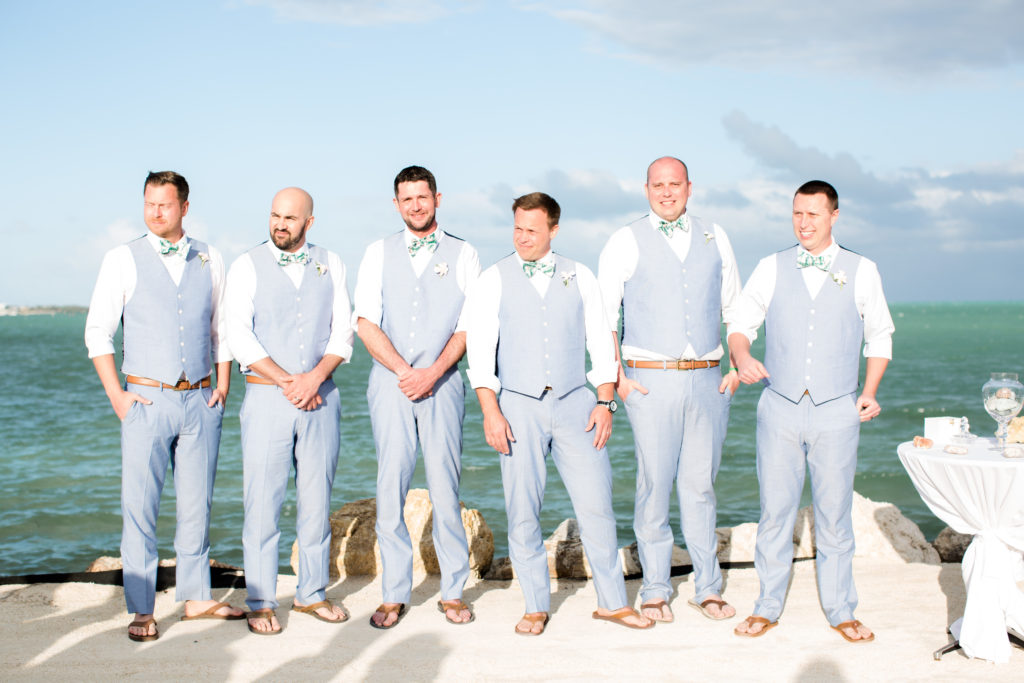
<point x="288" y="319"/>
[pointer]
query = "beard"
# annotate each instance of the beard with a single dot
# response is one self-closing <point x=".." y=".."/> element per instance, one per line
<point x="287" y="242"/>
<point x="421" y="228"/>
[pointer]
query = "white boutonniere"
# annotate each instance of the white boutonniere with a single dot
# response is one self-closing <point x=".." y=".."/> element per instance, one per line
<point x="839" y="278"/>
<point x="441" y="269"/>
<point x="567" y="277"/>
<point x="708" y="236"/>
<point x="204" y="258"/>
<point x="321" y="268"/>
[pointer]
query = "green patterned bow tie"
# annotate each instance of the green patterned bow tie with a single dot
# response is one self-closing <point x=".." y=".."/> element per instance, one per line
<point x="668" y="227"/>
<point x="168" y="247"/>
<point x="531" y="268"/>
<point x="804" y="259"/>
<point x="429" y="242"/>
<point x="284" y="258"/>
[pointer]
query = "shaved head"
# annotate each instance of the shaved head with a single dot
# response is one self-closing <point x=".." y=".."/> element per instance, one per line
<point x="667" y="162"/>
<point x="291" y="215"/>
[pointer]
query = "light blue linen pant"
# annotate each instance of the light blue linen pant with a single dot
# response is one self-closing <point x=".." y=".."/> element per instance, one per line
<point x="792" y="437"/>
<point x="556" y="426"/>
<point x="179" y="429"/>
<point x="434" y="423"/>
<point x="678" y="429"/>
<point x="275" y="437"/>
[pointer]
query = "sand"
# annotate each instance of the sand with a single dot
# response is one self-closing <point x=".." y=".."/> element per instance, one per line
<point x="76" y="631"/>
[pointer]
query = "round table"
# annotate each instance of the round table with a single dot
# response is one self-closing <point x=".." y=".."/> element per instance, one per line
<point x="980" y="493"/>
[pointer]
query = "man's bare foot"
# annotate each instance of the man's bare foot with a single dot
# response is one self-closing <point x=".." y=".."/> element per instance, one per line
<point x="854" y="632"/>
<point x="323" y="610"/>
<point x="754" y="626"/>
<point x="532" y="624"/>
<point x="657" y="610"/>
<point x="195" y="608"/>
<point x="713" y="607"/>
<point x="387" y="615"/>
<point x="264" y="621"/>
<point x="143" y="628"/>
<point x="455" y="611"/>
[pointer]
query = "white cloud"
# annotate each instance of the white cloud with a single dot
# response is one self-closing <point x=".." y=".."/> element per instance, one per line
<point x="360" y="13"/>
<point x="878" y="36"/>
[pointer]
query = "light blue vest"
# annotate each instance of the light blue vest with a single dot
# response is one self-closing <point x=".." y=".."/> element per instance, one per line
<point x="541" y="342"/>
<point x="167" y="326"/>
<point x="293" y="325"/>
<point x="669" y="304"/>
<point x="420" y="313"/>
<point x="813" y="344"/>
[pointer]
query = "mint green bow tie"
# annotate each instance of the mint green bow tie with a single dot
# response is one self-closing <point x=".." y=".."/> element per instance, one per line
<point x="284" y="258"/>
<point x="430" y="242"/>
<point x="804" y="259"/>
<point x="668" y="227"/>
<point x="531" y="268"/>
<point x="167" y="247"/>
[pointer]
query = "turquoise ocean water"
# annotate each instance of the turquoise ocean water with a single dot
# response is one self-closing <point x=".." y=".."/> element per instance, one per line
<point x="60" y="444"/>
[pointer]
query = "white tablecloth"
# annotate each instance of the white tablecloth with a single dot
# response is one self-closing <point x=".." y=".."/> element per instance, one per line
<point x="980" y="493"/>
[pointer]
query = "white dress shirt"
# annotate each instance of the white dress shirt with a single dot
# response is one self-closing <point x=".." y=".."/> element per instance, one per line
<point x="480" y="320"/>
<point x="239" y="309"/>
<point x="867" y="294"/>
<point x="115" y="286"/>
<point x="619" y="260"/>
<point x="368" y="297"/>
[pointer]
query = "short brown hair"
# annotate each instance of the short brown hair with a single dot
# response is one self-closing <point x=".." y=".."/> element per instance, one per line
<point x="414" y="174"/>
<point x="539" y="200"/>
<point x="820" y="187"/>
<point x="168" y="178"/>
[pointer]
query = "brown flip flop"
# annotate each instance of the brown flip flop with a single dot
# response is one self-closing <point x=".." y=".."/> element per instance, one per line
<point x="619" y="617"/>
<point x="144" y="623"/>
<point x="702" y="607"/>
<point x="766" y="626"/>
<point x="658" y="605"/>
<point x="311" y="610"/>
<point x="212" y="614"/>
<point x="457" y="605"/>
<point x="855" y="624"/>
<point x="265" y="613"/>
<point x="399" y="609"/>
<point x="541" y="618"/>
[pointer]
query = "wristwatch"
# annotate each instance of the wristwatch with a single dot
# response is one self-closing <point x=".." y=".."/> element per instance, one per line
<point x="612" y="406"/>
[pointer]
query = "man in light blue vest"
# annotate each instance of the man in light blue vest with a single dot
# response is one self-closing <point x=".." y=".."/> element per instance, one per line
<point x="289" y="325"/>
<point x="819" y="303"/>
<point x="166" y="289"/>
<point x="530" y="321"/>
<point x="408" y="298"/>
<point x="675" y="277"/>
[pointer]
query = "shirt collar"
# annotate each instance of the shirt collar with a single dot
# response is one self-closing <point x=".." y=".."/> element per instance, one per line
<point x="410" y="236"/>
<point x="304" y="249"/>
<point x="183" y="244"/>
<point x="829" y="253"/>
<point x="655" y="220"/>
<point x="545" y="259"/>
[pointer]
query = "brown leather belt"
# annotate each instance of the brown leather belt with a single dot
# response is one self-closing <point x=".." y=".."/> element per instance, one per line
<point x="182" y="385"/>
<point x="256" y="379"/>
<point x="672" y="364"/>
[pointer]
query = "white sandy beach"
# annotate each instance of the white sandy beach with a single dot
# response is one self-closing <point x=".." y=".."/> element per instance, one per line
<point x="76" y="631"/>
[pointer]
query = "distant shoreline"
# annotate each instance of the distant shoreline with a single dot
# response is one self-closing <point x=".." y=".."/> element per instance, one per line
<point x="6" y="310"/>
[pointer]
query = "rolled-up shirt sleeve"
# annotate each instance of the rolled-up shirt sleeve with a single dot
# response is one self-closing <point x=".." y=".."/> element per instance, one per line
<point x="114" y="286"/>
<point x="480" y="321"/>
<point x="342" y="331"/>
<point x="603" y="368"/>
<point x="368" y="299"/>
<point x="615" y="265"/>
<point x="870" y="298"/>
<point x="239" y="293"/>
<point x="748" y="313"/>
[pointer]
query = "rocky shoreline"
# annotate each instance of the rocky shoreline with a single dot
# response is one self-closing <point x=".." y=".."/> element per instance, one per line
<point x="882" y="533"/>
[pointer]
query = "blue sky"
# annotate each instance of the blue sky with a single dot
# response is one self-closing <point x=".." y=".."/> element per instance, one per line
<point x="912" y="109"/>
